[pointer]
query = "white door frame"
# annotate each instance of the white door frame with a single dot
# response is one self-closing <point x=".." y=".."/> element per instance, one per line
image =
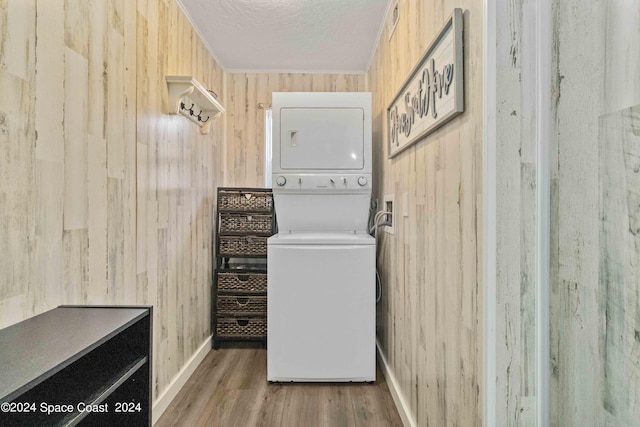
<point x="489" y="212"/>
<point x="543" y="60"/>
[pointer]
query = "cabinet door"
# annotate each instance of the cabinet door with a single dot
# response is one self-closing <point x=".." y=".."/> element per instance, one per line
<point x="321" y="313"/>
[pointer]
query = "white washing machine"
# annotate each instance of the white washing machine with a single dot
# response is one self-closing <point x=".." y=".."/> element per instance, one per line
<point x="321" y="264"/>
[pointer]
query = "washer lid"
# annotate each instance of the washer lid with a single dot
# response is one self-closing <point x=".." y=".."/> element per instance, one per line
<point x="321" y="238"/>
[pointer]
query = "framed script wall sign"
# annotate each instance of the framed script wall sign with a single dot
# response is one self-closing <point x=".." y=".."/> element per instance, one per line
<point x="434" y="92"/>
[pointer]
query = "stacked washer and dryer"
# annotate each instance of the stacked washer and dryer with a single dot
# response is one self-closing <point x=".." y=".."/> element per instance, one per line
<point x="321" y="264"/>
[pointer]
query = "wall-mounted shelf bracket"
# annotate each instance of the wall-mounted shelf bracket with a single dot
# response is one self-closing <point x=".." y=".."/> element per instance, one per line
<point x="189" y="98"/>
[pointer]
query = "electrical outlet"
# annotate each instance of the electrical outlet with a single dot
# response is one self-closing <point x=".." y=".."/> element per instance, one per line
<point x="388" y="206"/>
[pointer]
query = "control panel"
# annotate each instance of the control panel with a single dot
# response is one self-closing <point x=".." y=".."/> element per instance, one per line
<point x="313" y="183"/>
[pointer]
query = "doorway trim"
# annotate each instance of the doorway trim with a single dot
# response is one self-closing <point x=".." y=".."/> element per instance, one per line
<point x="543" y="61"/>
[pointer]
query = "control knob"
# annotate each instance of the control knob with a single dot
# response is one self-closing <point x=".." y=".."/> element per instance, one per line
<point x="281" y="180"/>
<point x="362" y="181"/>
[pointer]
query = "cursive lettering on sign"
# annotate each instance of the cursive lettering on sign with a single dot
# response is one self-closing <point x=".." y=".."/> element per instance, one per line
<point x="434" y="91"/>
<point x="431" y="86"/>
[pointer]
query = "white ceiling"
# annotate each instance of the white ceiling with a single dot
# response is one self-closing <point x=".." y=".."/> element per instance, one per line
<point x="289" y="35"/>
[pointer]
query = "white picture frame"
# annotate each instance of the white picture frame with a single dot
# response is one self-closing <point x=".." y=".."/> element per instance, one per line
<point x="433" y="94"/>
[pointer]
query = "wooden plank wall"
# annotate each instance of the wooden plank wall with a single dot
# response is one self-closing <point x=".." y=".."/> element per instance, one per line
<point x="516" y="205"/>
<point x="595" y="316"/>
<point x="106" y="199"/>
<point x="430" y="316"/>
<point x="245" y="122"/>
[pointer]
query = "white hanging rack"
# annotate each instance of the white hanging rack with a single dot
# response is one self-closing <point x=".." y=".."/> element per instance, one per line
<point x="189" y="98"/>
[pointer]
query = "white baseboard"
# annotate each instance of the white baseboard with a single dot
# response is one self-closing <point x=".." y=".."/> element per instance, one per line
<point x="163" y="401"/>
<point x="396" y="393"/>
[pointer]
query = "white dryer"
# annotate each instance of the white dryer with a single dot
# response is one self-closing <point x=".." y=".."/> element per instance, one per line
<point x="321" y="264"/>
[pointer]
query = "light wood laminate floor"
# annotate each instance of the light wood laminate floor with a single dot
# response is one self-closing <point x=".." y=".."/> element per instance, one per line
<point x="230" y="389"/>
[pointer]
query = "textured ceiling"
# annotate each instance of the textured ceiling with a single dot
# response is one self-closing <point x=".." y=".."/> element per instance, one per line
<point x="289" y="35"/>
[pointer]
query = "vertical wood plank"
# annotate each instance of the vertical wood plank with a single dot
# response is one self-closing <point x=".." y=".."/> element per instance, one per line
<point x="76" y="278"/>
<point x="619" y="183"/>
<point x="47" y="287"/>
<point x="75" y="141"/>
<point x="18" y="35"/>
<point x="130" y="147"/>
<point x="115" y="103"/>
<point x="574" y="313"/>
<point x="50" y="95"/>
<point x="49" y="284"/>
<point x="141" y="220"/>
<point x="115" y="241"/>
<point x="97" y="223"/>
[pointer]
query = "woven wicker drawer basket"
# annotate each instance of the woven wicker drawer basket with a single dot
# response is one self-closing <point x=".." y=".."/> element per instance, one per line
<point x="243" y="245"/>
<point x="244" y="304"/>
<point x="242" y="282"/>
<point x="241" y="328"/>
<point x="245" y="223"/>
<point x="245" y="201"/>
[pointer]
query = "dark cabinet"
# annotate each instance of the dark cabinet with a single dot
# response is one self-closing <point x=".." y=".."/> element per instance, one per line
<point x="85" y="365"/>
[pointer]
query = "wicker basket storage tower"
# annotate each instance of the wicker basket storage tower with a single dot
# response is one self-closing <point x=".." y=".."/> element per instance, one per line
<point x="244" y="222"/>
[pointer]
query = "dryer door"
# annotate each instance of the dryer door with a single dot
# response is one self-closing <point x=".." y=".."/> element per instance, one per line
<point x="322" y="138"/>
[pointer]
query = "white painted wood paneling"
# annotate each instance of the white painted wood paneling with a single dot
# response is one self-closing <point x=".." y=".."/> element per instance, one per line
<point x="75" y="140"/>
<point x="594" y="304"/>
<point x="92" y="168"/>
<point x="50" y="94"/>
<point x="430" y="316"/>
